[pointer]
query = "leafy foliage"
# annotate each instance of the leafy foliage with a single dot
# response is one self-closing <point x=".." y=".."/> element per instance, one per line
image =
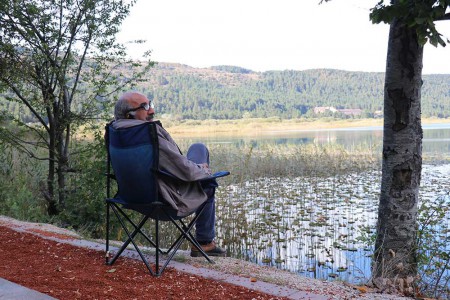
<point x="56" y="63"/>
<point x="86" y="185"/>
<point x="418" y="14"/>
<point x="433" y="255"/>
<point x="19" y="186"/>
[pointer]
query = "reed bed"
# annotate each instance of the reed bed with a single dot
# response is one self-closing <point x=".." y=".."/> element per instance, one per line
<point x="313" y="209"/>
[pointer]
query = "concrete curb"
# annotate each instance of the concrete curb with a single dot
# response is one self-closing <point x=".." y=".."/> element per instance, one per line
<point x="11" y="291"/>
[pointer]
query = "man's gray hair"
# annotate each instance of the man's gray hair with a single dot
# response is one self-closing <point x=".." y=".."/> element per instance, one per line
<point x="122" y="107"/>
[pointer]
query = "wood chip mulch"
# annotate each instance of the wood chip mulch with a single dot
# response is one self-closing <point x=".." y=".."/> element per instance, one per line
<point x="68" y="272"/>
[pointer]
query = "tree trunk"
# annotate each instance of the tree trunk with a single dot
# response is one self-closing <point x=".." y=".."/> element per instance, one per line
<point x="63" y="144"/>
<point x="395" y="261"/>
<point x="49" y="194"/>
<point x="62" y="171"/>
<point x="52" y="204"/>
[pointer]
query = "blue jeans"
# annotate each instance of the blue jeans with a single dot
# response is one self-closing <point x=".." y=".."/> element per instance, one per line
<point x="205" y="227"/>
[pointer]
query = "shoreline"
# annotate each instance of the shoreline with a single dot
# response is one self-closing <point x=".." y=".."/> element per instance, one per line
<point x="270" y="126"/>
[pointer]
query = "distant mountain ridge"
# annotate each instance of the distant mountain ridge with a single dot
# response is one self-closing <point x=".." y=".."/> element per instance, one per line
<point x="231" y="92"/>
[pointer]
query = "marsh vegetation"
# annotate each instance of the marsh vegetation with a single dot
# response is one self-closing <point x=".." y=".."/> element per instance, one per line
<point x="311" y="207"/>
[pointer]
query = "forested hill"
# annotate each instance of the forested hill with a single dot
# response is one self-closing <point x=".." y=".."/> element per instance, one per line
<point x="228" y="92"/>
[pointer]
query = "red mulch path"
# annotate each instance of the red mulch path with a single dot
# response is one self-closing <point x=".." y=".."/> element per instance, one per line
<point x="68" y="272"/>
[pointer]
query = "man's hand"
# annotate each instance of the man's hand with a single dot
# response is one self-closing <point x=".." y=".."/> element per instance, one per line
<point x="206" y="168"/>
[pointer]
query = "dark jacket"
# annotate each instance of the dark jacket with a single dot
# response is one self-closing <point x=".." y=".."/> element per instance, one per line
<point x="185" y="193"/>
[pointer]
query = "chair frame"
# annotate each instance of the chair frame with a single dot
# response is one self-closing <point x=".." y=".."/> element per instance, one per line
<point x="117" y="207"/>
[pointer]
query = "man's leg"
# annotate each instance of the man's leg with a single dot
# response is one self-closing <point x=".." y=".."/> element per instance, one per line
<point x="205" y="227"/>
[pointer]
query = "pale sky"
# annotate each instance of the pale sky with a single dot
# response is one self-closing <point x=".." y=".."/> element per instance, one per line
<point x="264" y="35"/>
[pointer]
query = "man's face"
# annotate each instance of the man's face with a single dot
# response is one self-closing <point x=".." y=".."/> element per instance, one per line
<point x="139" y="101"/>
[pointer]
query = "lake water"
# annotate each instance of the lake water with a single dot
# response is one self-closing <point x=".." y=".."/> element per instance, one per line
<point x="436" y="138"/>
<point x="316" y="226"/>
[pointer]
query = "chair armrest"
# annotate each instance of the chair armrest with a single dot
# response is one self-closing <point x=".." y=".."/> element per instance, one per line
<point x="217" y="175"/>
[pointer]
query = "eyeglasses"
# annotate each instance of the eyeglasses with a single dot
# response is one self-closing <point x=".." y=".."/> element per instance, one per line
<point x="146" y="106"/>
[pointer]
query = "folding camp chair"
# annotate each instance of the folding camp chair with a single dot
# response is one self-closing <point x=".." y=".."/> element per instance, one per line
<point x="133" y="155"/>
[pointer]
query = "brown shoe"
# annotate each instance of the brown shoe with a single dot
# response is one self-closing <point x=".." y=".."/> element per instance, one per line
<point x="211" y="249"/>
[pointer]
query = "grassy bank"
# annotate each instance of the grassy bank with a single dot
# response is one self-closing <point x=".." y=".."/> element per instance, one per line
<point x="254" y="127"/>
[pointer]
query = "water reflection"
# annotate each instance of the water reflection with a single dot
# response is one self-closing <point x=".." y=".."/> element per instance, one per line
<point x="317" y="227"/>
<point x="436" y="138"/>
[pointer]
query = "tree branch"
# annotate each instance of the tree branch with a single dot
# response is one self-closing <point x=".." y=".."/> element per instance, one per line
<point x="25" y="101"/>
<point x="38" y="132"/>
<point x="10" y="138"/>
<point x="80" y="66"/>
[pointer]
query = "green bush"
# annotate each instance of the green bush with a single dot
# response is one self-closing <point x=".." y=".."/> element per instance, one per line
<point x="19" y="186"/>
<point x="86" y="188"/>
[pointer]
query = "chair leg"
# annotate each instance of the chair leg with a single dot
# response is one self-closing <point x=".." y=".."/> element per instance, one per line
<point x="171" y="255"/>
<point x="160" y="270"/>
<point x="186" y="233"/>
<point x="107" y="233"/>
<point x="130" y="239"/>
<point x="136" y="226"/>
<point x="191" y="224"/>
<point x="157" y="271"/>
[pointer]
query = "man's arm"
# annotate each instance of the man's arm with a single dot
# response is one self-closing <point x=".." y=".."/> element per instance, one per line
<point x="176" y="164"/>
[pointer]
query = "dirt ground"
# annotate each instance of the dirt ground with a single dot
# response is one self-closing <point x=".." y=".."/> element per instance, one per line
<point x="68" y="272"/>
<point x="40" y="256"/>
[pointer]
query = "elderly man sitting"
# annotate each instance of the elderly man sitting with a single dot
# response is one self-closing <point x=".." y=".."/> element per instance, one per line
<point x="134" y="108"/>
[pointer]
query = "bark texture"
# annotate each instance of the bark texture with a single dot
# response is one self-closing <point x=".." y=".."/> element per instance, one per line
<point x="395" y="248"/>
